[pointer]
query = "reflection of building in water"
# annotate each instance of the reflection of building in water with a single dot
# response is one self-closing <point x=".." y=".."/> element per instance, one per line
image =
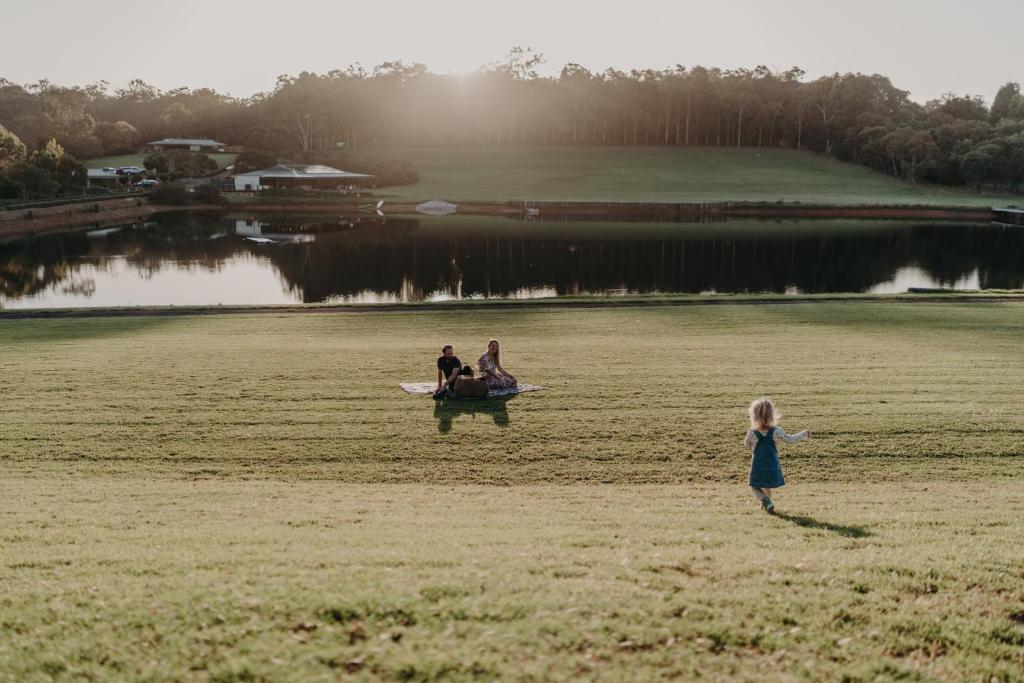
<point x="250" y="227"/>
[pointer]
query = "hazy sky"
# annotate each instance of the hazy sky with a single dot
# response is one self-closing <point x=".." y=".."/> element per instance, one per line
<point x="926" y="46"/>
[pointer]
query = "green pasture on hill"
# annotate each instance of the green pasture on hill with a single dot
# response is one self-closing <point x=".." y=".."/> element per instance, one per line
<point x="660" y="174"/>
<point x="251" y="497"/>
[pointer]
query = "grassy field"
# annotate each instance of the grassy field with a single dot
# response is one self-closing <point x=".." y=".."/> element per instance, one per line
<point x="251" y="497"/>
<point x="223" y="160"/>
<point x="659" y="174"/>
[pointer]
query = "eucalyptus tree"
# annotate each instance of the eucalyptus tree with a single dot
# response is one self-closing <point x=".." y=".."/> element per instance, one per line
<point x="1007" y="101"/>
<point x="178" y="119"/>
<point x="576" y="82"/>
<point x="12" y="150"/>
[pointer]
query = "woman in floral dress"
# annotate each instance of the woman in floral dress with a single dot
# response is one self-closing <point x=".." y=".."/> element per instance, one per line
<point x="490" y="367"/>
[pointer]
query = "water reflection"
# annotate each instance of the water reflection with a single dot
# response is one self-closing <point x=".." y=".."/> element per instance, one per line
<point x="209" y="259"/>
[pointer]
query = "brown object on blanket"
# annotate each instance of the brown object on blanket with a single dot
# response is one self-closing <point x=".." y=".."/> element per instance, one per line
<point x="467" y="387"/>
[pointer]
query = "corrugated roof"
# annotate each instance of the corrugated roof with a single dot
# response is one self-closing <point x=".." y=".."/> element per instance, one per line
<point x="303" y="171"/>
<point x="100" y="173"/>
<point x="207" y="142"/>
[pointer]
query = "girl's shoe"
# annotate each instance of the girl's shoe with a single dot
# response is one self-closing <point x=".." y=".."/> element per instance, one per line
<point x="769" y="506"/>
<point x="765" y="502"/>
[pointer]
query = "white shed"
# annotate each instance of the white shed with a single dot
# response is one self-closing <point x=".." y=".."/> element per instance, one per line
<point x="301" y="176"/>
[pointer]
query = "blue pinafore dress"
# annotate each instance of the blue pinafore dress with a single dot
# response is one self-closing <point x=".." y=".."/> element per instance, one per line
<point x="765" y="470"/>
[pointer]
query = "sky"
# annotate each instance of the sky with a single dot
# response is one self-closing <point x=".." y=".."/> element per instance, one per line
<point x="928" y="47"/>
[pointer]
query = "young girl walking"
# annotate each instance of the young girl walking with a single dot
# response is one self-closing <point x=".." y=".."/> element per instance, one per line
<point x="765" y="470"/>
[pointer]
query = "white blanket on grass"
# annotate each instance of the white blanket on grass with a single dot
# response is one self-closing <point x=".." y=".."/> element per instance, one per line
<point x="427" y="388"/>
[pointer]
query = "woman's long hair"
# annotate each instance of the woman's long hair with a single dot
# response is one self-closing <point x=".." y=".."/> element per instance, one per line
<point x="497" y="354"/>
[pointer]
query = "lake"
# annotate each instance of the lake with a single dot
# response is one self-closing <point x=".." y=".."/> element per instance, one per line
<point x="203" y="258"/>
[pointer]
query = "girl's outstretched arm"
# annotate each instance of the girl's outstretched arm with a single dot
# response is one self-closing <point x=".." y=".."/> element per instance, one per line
<point x="749" y="441"/>
<point x="780" y="433"/>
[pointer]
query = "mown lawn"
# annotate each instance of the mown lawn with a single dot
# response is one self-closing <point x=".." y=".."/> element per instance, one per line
<point x="251" y="497"/>
<point x="662" y="174"/>
<point x="142" y="579"/>
<point x="634" y="395"/>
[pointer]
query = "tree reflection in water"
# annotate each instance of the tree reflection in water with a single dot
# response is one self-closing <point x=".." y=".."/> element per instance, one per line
<point x="402" y="259"/>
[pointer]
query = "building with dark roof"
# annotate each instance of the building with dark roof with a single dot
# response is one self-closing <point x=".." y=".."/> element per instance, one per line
<point x="187" y="144"/>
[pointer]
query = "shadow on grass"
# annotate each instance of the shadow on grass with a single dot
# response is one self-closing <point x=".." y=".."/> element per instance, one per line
<point x="811" y="523"/>
<point x="448" y="409"/>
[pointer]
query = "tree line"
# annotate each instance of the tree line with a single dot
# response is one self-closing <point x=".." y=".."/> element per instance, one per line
<point x="865" y="119"/>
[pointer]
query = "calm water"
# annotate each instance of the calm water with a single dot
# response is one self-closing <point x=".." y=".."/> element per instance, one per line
<point x="185" y="259"/>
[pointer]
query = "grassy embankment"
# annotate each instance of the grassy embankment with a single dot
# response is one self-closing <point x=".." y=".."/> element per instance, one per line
<point x="251" y="497"/>
<point x="661" y="174"/>
<point x="223" y="160"/>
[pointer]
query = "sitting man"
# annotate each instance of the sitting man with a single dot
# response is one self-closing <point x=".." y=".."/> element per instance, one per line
<point x="448" y="366"/>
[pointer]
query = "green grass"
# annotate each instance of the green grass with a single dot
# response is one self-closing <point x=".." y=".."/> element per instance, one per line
<point x="223" y="160"/>
<point x="247" y="581"/>
<point x="251" y="497"/>
<point x="634" y="395"/>
<point x="660" y="174"/>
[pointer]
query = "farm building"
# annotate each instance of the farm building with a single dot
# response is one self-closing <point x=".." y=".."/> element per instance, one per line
<point x="96" y="177"/>
<point x="186" y="144"/>
<point x="301" y="177"/>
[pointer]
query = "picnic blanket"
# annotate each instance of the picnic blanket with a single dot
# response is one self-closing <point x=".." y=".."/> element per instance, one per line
<point x="427" y="388"/>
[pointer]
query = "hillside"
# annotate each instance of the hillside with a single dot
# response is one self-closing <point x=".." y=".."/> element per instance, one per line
<point x="660" y="174"/>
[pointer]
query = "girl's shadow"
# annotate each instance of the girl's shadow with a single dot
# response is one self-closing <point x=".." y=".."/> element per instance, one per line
<point x="811" y="523"/>
<point x="448" y="409"/>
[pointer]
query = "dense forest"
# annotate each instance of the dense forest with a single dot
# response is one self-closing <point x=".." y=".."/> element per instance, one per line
<point x="865" y="119"/>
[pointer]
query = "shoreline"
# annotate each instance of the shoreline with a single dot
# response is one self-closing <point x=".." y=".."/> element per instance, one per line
<point x="657" y="211"/>
<point x="925" y="297"/>
<point x="27" y="222"/>
<point x="44" y="221"/>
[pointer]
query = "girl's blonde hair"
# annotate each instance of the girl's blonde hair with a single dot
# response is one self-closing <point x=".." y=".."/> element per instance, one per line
<point x="762" y="413"/>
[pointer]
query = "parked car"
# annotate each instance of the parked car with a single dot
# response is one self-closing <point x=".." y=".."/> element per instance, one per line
<point x="147" y="184"/>
<point x="109" y="169"/>
<point x="130" y="170"/>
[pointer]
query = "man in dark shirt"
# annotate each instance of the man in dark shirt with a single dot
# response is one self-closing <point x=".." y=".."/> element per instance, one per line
<point x="448" y="366"/>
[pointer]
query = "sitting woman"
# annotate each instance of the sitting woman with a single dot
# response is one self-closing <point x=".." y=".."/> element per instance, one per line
<point x="490" y="367"/>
